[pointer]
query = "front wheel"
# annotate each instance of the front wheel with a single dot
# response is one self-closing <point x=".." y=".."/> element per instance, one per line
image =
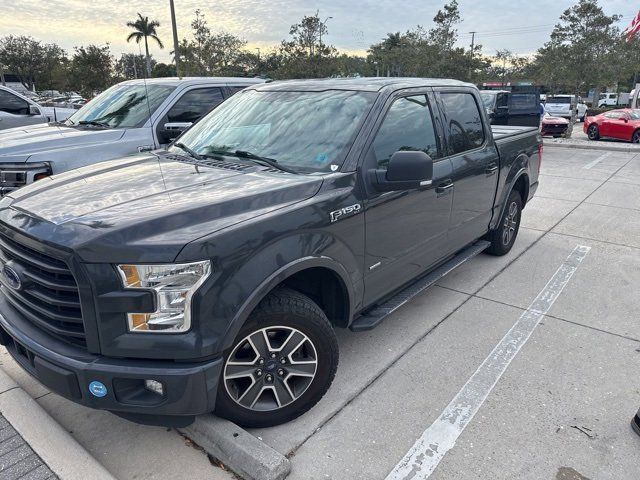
<point x="593" y="133"/>
<point x="504" y="236"/>
<point x="281" y="363"/>
<point x="636" y="137"/>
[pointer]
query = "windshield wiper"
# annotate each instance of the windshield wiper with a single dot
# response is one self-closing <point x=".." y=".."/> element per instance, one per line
<point x="95" y="123"/>
<point x="263" y="160"/>
<point x="191" y="152"/>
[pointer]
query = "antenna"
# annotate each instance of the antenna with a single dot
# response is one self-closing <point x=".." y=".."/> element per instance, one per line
<point x="146" y="92"/>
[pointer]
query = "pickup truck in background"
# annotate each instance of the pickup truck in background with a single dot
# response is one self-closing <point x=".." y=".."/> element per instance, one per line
<point x="571" y="107"/>
<point x="130" y="117"/>
<point x="505" y="107"/>
<point x="16" y="110"/>
<point x="211" y="276"/>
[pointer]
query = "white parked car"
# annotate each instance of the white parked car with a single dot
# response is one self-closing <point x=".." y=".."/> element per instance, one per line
<point x="16" y="110"/>
<point x="565" y="106"/>
<point x="130" y="117"/>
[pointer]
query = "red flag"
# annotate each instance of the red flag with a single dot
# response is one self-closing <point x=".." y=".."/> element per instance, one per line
<point x="632" y="30"/>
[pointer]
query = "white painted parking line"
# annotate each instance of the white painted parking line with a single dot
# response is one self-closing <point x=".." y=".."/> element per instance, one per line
<point x="427" y="452"/>
<point x="592" y="164"/>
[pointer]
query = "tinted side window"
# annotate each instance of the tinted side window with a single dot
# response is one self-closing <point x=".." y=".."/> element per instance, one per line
<point x="502" y="100"/>
<point x="613" y="115"/>
<point x="464" y="122"/>
<point x="524" y="101"/>
<point x="194" y="104"/>
<point x="407" y="126"/>
<point x="11" y="104"/>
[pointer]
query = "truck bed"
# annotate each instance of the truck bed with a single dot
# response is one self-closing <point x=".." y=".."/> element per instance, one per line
<point x="504" y="132"/>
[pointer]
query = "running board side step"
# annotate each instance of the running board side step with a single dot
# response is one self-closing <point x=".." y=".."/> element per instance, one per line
<point x="373" y="317"/>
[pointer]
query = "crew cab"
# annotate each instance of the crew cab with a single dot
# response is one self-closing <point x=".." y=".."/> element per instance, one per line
<point x="212" y="276"/>
<point x="17" y="110"/>
<point x="130" y="117"/>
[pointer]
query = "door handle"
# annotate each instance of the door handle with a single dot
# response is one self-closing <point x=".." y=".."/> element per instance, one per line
<point x="491" y="170"/>
<point x="444" y="188"/>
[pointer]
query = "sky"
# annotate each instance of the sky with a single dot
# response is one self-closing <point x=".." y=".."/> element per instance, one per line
<point x="517" y="25"/>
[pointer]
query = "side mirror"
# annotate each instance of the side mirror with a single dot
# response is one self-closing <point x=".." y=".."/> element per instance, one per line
<point x="407" y="170"/>
<point x="33" y="110"/>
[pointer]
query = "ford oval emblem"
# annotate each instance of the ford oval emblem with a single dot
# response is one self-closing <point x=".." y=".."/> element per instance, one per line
<point x="97" y="389"/>
<point x="11" y="277"/>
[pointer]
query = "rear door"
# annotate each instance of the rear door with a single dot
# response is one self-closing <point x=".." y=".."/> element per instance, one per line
<point x="475" y="163"/>
<point x="406" y="231"/>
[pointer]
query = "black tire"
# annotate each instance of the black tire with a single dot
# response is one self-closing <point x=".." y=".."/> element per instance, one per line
<point x="635" y="138"/>
<point x="593" y="133"/>
<point x="504" y="236"/>
<point x="282" y="309"/>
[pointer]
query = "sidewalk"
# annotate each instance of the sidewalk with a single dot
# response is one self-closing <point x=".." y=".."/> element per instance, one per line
<point x="34" y="446"/>
<point x="17" y="458"/>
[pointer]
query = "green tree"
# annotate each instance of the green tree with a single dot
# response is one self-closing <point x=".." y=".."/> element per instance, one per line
<point x="144" y="29"/>
<point x="582" y="51"/>
<point x="131" y="65"/>
<point x="163" y="70"/>
<point x="210" y="53"/>
<point x="91" y="69"/>
<point x="305" y="55"/>
<point x="33" y="61"/>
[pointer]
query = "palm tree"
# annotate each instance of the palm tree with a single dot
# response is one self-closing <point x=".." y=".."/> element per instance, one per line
<point x="144" y="28"/>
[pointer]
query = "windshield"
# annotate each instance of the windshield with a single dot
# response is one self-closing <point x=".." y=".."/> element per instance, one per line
<point x="304" y="131"/>
<point x="122" y="106"/>
<point x="489" y="99"/>
<point x="634" y="114"/>
<point x="559" y="99"/>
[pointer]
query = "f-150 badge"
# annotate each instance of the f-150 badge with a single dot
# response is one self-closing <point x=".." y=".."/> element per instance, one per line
<point x="343" y="212"/>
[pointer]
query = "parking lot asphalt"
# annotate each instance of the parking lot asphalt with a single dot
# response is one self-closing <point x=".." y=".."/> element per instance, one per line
<point x="561" y="407"/>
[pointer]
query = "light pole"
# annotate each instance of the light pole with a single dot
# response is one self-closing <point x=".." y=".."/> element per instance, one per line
<point x="176" y="54"/>
<point x="258" y="53"/>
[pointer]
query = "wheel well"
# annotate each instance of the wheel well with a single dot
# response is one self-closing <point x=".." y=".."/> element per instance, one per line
<point x="522" y="187"/>
<point x="327" y="289"/>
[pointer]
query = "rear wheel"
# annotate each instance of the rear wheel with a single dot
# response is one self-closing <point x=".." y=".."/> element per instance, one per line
<point x="504" y="236"/>
<point x="281" y="363"/>
<point x="593" y="133"/>
<point x="636" y="137"/>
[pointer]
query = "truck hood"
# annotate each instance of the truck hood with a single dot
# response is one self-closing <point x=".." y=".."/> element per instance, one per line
<point x="146" y="208"/>
<point x="18" y="144"/>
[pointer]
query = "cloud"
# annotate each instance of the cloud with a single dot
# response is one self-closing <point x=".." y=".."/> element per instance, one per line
<point x="264" y="24"/>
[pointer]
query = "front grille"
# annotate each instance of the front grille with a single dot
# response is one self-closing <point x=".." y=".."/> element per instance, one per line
<point x="48" y="296"/>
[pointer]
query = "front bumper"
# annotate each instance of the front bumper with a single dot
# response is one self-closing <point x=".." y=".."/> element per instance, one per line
<point x="189" y="388"/>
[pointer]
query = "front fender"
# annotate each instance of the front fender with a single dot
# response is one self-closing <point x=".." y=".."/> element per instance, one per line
<point x="276" y="278"/>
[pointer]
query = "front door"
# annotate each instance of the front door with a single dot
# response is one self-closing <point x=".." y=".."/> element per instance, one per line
<point x="406" y="231"/>
<point x="475" y="164"/>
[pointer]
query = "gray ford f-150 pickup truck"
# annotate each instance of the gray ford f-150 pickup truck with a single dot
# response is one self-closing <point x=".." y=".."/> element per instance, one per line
<point x="211" y="276"/>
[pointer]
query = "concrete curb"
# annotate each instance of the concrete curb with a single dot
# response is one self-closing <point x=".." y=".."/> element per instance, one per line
<point x="609" y="147"/>
<point x="53" y="444"/>
<point x="237" y="449"/>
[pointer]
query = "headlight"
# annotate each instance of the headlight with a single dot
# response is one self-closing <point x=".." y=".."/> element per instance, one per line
<point x="174" y="286"/>
<point x="16" y="175"/>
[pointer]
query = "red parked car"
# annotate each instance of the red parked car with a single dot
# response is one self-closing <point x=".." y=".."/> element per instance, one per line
<point x="555" y="126"/>
<point x="623" y="124"/>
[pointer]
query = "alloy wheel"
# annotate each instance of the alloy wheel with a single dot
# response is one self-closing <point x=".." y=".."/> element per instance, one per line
<point x="510" y="224"/>
<point x="270" y="368"/>
<point x="636" y="137"/>
<point x="593" y="132"/>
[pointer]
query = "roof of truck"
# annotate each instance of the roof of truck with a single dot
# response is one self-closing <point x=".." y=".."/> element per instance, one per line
<point x="367" y="84"/>
<point x="175" y="81"/>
